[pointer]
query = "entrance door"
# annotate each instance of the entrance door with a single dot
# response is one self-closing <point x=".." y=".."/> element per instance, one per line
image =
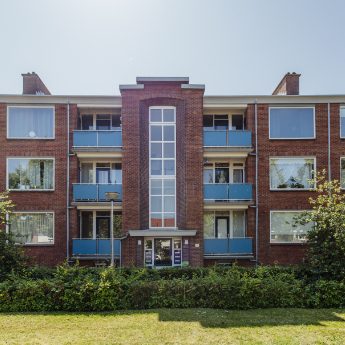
<point x="102" y="175"/>
<point x="162" y="252"/>
<point x="103" y="227"/>
<point x="222" y="227"/>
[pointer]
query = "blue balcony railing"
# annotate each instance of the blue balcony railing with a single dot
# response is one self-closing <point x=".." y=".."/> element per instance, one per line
<point x="227" y="138"/>
<point x="85" y="191"/>
<point x="100" y="246"/>
<point x="228" y="246"/>
<point x="97" y="138"/>
<point x="224" y="191"/>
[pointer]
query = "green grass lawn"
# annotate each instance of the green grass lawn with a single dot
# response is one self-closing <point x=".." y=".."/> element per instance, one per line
<point x="176" y="326"/>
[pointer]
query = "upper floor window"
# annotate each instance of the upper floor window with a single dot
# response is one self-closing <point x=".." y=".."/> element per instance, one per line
<point x="30" y="123"/>
<point x="233" y="122"/>
<point x="30" y="173"/>
<point x="100" y="119"/>
<point x="292" y="123"/>
<point x="342" y="122"/>
<point x="291" y="173"/>
<point x="232" y="172"/>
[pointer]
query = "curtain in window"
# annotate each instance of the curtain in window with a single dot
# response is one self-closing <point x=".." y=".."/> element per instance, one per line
<point x="31" y="123"/>
<point x="32" y="227"/>
<point x="291" y="173"/>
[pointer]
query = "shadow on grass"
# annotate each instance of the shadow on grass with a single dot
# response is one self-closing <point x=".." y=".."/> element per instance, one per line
<point x="217" y="318"/>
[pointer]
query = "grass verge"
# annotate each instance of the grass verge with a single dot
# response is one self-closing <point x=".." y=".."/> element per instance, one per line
<point x="176" y="326"/>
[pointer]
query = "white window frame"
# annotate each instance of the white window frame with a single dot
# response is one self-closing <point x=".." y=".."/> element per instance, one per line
<point x="34" y="244"/>
<point x="162" y="177"/>
<point x="284" y="211"/>
<point x="231" y="223"/>
<point x="341" y="157"/>
<point x="231" y="170"/>
<point x="341" y="107"/>
<point x="172" y="251"/>
<point x="28" y="158"/>
<point x="94" y="167"/>
<point x="302" y="138"/>
<point x="229" y="114"/>
<point x="290" y="157"/>
<point x="30" y="106"/>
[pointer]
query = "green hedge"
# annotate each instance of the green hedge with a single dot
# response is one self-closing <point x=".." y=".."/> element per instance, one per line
<point x="84" y="289"/>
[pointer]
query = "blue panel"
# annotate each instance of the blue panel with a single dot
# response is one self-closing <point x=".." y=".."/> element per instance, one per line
<point x="214" y="138"/>
<point x="103" y="188"/>
<point x="240" y="191"/>
<point x="215" y="246"/>
<point x="84" y="138"/>
<point x="216" y="191"/>
<point x="110" y="138"/>
<point x="117" y="246"/>
<point x="239" y="138"/>
<point x="85" y="192"/>
<point x="240" y="246"/>
<point x="104" y="246"/>
<point x="84" y="247"/>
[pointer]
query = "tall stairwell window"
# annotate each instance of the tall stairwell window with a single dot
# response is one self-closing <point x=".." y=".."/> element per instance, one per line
<point x="162" y="167"/>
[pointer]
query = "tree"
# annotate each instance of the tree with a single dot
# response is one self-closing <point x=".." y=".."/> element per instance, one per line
<point x="326" y="254"/>
<point x="12" y="257"/>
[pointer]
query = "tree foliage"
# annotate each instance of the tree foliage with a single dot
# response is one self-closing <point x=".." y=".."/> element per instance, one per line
<point x="326" y="254"/>
<point x="12" y="257"/>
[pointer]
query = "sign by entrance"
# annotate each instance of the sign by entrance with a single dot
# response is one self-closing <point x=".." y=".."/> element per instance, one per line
<point x="185" y="263"/>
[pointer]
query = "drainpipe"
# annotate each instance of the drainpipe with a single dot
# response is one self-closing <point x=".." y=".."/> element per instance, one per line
<point x="67" y="179"/>
<point x="127" y="233"/>
<point x="256" y="185"/>
<point x="329" y="144"/>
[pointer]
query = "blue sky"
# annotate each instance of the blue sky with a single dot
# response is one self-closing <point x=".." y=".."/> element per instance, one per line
<point x="89" y="47"/>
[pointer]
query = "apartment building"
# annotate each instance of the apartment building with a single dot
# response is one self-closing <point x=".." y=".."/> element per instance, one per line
<point x="200" y="179"/>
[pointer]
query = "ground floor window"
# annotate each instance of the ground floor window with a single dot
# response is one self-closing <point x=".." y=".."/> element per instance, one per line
<point x="161" y="252"/>
<point x="226" y="224"/>
<point x="32" y="227"/>
<point x="96" y="224"/>
<point x="282" y="230"/>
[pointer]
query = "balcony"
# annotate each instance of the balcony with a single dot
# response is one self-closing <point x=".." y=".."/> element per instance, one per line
<point x="97" y="139"/>
<point x="227" y="139"/>
<point x="94" y="248"/>
<point x="95" y="192"/>
<point x="228" y="247"/>
<point x="227" y="192"/>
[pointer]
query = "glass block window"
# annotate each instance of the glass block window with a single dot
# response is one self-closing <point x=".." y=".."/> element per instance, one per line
<point x="30" y="174"/>
<point x="30" y="122"/>
<point x="162" y="167"/>
<point x="292" y="123"/>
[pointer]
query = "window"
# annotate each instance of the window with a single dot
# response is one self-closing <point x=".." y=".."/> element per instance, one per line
<point x="282" y="230"/>
<point x="224" y="122"/>
<point x="227" y="224"/>
<point x="32" y="227"/>
<point x="162" y="167"/>
<point x="95" y="119"/>
<point x="30" y="123"/>
<point x="30" y="174"/>
<point x="342" y="122"/>
<point x="104" y="173"/>
<point x="232" y="172"/>
<point x="292" y="123"/>
<point x="342" y="173"/>
<point x="291" y="173"/>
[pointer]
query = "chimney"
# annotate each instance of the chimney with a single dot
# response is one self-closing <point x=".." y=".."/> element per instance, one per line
<point x="289" y="85"/>
<point x="33" y="85"/>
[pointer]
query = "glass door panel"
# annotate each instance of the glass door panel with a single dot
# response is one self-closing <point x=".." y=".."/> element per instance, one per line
<point x="222" y="175"/>
<point x="162" y="252"/>
<point x="238" y="224"/>
<point x="102" y="175"/>
<point x="103" y="227"/>
<point x="222" y="227"/>
<point x="208" y="175"/>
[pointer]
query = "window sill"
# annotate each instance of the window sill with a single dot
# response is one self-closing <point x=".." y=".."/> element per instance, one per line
<point x="35" y="244"/>
<point x="30" y="138"/>
<point x="292" y="138"/>
<point x="291" y="190"/>
<point x="287" y="244"/>
<point x="32" y="190"/>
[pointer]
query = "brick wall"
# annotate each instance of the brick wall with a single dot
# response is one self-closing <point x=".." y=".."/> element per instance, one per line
<point x="189" y="158"/>
<point x="52" y="254"/>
